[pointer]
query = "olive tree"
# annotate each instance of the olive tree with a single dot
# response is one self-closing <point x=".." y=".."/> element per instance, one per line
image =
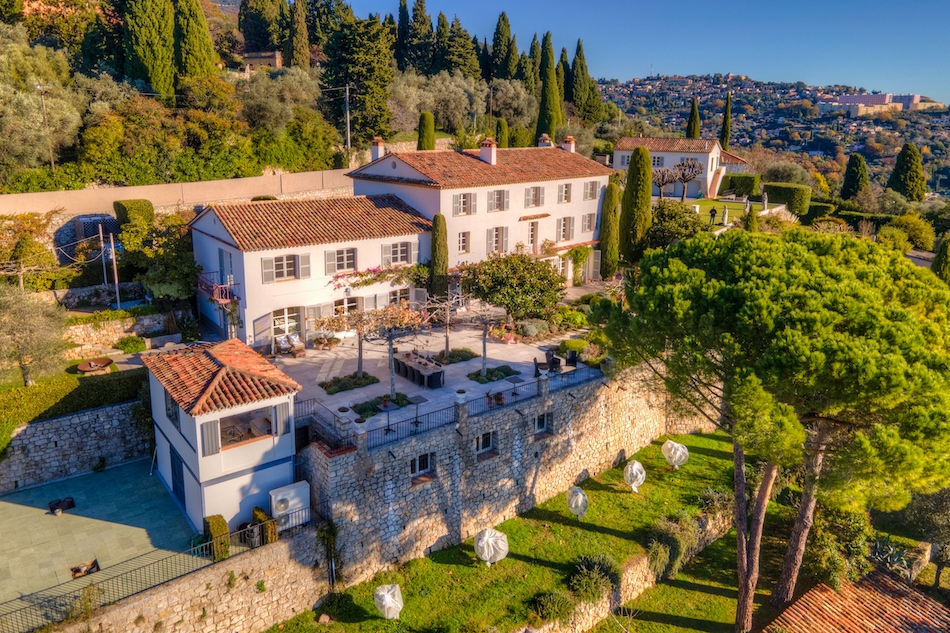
<point x="31" y="333"/>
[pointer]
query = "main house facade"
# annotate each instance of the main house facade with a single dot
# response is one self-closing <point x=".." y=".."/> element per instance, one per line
<point x="667" y="152"/>
<point x="224" y="428"/>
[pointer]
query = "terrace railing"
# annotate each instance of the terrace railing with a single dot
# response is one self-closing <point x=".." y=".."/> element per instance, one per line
<point x="327" y="426"/>
<point x="407" y="428"/>
<point x="502" y="398"/>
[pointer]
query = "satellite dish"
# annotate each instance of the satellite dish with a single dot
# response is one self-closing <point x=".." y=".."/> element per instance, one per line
<point x="388" y="599"/>
<point x="675" y="454"/>
<point x="634" y="474"/>
<point x="491" y="546"/>
<point x="577" y="502"/>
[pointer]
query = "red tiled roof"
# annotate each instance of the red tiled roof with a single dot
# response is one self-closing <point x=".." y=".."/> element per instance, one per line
<point x="259" y="226"/>
<point x="210" y="377"/>
<point x="878" y="602"/>
<point x="449" y="169"/>
<point x="728" y="158"/>
<point x="685" y="145"/>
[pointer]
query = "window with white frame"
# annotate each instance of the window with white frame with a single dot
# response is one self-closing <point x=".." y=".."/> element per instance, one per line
<point x="498" y="200"/>
<point x="624" y="160"/>
<point x="464" y="242"/>
<point x="285" y="267"/>
<point x="563" y="193"/>
<point x="285" y="321"/>
<point x="398" y="253"/>
<point x="171" y="410"/>
<point x="346" y="305"/>
<point x="341" y="260"/>
<point x="421" y="465"/>
<point x="533" y="197"/>
<point x="533" y="236"/>
<point x="497" y="240"/>
<point x="658" y="161"/>
<point x="542" y="423"/>
<point x="565" y="229"/>
<point x="485" y="442"/>
<point x="398" y="296"/>
<point x="591" y="188"/>
<point x="463" y="204"/>
<point x="588" y="222"/>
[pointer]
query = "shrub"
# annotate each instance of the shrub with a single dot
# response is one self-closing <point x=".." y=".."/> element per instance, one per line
<point x="745" y="184"/>
<point x="797" y="198"/>
<point x="818" y="210"/>
<point x="370" y="408"/>
<point x="575" y="319"/>
<point x="573" y="345"/>
<point x="854" y="217"/>
<point x="134" y="211"/>
<point x="347" y="382"/>
<point x="725" y="184"/>
<point x="603" y="564"/>
<point x="680" y="535"/>
<point x="539" y="327"/>
<point x="259" y="516"/>
<point x="838" y="546"/>
<point x="456" y="355"/>
<point x="589" y="585"/>
<point x="556" y="606"/>
<point x="216" y="529"/>
<point x="103" y="316"/>
<point x="893" y="237"/>
<point x="585" y="309"/>
<point x="919" y="231"/>
<point x="493" y="374"/>
<point x="601" y="310"/>
<point x="131" y="344"/>
<point x="659" y="556"/>
<point x="830" y="224"/>
<point x="588" y="298"/>
<point x="718" y="500"/>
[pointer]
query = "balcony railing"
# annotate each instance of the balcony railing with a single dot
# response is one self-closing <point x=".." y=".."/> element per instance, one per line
<point x="210" y="284"/>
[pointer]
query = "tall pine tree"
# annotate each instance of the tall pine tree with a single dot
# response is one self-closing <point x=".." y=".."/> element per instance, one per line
<point x="194" y="50"/>
<point x="298" y="44"/>
<point x="402" y="35"/>
<point x="462" y="53"/>
<point x="726" y="133"/>
<point x="549" y="115"/>
<point x="636" y="213"/>
<point x="610" y="232"/>
<point x="501" y="133"/>
<point x="419" y="41"/>
<point x="855" y="177"/>
<point x="908" y="177"/>
<point x="587" y="102"/>
<point x="693" y="124"/>
<point x="150" y="43"/>
<point x="511" y="59"/>
<point x="526" y="73"/>
<point x="941" y="263"/>
<point x="440" y="49"/>
<point x="484" y="60"/>
<point x="500" y="43"/>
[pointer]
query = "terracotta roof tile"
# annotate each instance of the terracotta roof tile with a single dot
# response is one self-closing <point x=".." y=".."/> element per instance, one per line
<point x="728" y="158"/>
<point x="210" y="377"/>
<point x="878" y="602"/>
<point x="449" y="169"/>
<point x="685" y="145"/>
<point x="259" y="226"/>
<point x="536" y="216"/>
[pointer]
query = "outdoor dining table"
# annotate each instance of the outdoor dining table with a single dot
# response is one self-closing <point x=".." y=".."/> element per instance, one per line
<point x="426" y="368"/>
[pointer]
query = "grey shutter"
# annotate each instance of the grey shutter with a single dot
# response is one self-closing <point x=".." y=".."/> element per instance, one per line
<point x="221" y="274"/>
<point x="419" y="296"/>
<point x="474" y="207"/>
<point x="527" y="197"/>
<point x="489" y="239"/>
<point x="369" y="303"/>
<point x="282" y="423"/>
<point x="382" y="300"/>
<point x="560" y="193"/>
<point x="210" y="439"/>
<point x="541" y="197"/>
<point x="303" y="266"/>
<point x="455" y="204"/>
<point x="267" y="270"/>
<point x="506" y="200"/>
<point x="262" y="330"/>
<point x="570" y="228"/>
<point x="559" y="229"/>
<point x="356" y="259"/>
<point x="387" y="255"/>
<point x="413" y="252"/>
<point x="330" y="258"/>
<point x="504" y="240"/>
<point x="595" y="265"/>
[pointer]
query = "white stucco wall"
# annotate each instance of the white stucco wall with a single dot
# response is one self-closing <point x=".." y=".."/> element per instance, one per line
<point x="701" y="185"/>
<point x="235" y="498"/>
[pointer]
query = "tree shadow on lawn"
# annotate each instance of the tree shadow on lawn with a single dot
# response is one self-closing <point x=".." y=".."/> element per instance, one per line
<point x="592" y="484"/>
<point x="342" y="608"/>
<point x="459" y="556"/>
<point x="684" y="622"/>
<point x="540" y="514"/>
<point x="710" y="452"/>
<point x="563" y="568"/>
<point x="686" y="585"/>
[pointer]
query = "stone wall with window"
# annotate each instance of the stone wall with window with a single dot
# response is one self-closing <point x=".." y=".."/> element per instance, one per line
<point x="405" y="499"/>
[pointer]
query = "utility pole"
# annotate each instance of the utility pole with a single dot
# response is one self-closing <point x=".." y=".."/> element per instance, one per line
<point x="347" y="119"/>
<point x="115" y="272"/>
<point x="102" y="256"/>
<point x="49" y="140"/>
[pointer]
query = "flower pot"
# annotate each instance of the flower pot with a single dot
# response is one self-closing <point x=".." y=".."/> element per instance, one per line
<point x="360" y="420"/>
<point x="343" y="409"/>
<point x="499" y="398"/>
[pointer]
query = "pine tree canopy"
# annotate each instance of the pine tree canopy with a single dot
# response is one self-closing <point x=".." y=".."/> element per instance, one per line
<point x="440" y="49"/>
<point x="511" y="60"/>
<point x="299" y="41"/>
<point x="261" y="23"/>
<point x="908" y="177"/>
<point x="462" y="54"/>
<point x="402" y="35"/>
<point x="855" y="177"/>
<point x="500" y="43"/>
<point x="550" y="112"/>
<point x="194" y="50"/>
<point x="419" y="40"/>
<point x="150" y="43"/>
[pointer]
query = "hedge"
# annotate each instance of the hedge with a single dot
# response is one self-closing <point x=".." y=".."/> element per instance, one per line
<point x="854" y="218"/>
<point x="64" y="395"/>
<point x="796" y="198"/>
<point x="745" y="184"/>
<point x="725" y="184"/>
<point x="819" y="210"/>
<point x="113" y="315"/>
<point x="216" y="529"/>
<point x="131" y="344"/>
<point x="138" y="211"/>
<point x="259" y="516"/>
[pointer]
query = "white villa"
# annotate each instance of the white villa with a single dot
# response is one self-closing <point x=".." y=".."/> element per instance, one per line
<point x="667" y="152"/>
<point x="224" y="425"/>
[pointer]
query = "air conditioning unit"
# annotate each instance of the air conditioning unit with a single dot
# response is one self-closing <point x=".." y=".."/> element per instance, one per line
<point x="290" y="505"/>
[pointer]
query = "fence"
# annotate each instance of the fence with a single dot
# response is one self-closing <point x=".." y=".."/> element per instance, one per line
<point x="501" y="398"/>
<point x="407" y="428"/>
<point x="328" y="425"/>
<point x="571" y="378"/>
<point x="83" y="595"/>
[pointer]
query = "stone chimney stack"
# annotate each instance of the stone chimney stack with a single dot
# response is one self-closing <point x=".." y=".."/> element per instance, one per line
<point x="379" y="148"/>
<point x="489" y="151"/>
<point x="569" y="144"/>
<point x="545" y="141"/>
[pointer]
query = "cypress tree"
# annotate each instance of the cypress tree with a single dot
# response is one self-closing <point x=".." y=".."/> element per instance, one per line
<point x="908" y="177"/>
<point x="693" y="125"/>
<point x="587" y="102"/>
<point x="726" y="133"/>
<point x="298" y="44"/>
<point x="610" y="232"/>
<point x="550" y="111"/>
<point x="402" y="35"/>
<point x="194" y="50"/>
<point x="440" y="49"/>
<point x="484" y="60"/>
<point x="636" y="213"/>
<point x="941" y="263"/>
<point x="261" y="23"/>
<point x="11" y="11"/>
<point x="535" y="54"/>
<point x="150" y="43"/>
<point x="752" y="221"/>
<point x="511" y="59"/>
<point x="501" y="133"/>
<point x="426" y="132"/>
<point x="500" y="43"/>
<point x="855" y="177"/>
<point x="419" y="40"/>
<point x="526" y="73"/>
<point x="564" y="78"/>
<point x="462" y="53"/>
<point x="439" y="267"/>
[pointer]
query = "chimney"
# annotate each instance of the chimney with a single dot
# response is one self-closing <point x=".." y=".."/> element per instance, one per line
<point x="379" y="148"/>
<point x="489" y="151"/>
<point x="545" y="141"/>
<point x="569" y="144"/>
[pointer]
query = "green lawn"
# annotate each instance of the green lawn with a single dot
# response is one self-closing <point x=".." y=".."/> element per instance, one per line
<point x="452" y="591"/>
<point x="736" y="209"/>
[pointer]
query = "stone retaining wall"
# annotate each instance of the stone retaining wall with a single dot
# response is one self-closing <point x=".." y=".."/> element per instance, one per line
<point x="96" y="339"/>
<point x="45" y="450"/>
<point x="207" y="601"/>
<point x="102" y="296"/>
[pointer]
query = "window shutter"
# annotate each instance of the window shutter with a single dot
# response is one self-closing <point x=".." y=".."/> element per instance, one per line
<point x="559" y="229"/>
<point x="474" y="207"/>
<point x="595" y="257"/>
<point x="282" y="423"/>
<point x="369" y="303"/>
<point x="356" y="263"/>
<point x="570" y="228"/>
<point x="331" y="262"/>
<point x="413" y="252"/>
<point x="267" y="270"/>
<point x="387" y="255"/>
<point x="541" y="197"/>
<point x="382" y="300"/>
<point x="506" y="199"/>
<point x="455" y="204"/>
<point x="303" y="266"/>
<point x="419" y="296"/>
<point x="504" y="240"/>
<point x="489" y="239"/>
<point x="326" y="309"/>
<point x="560" y="193"/>
<point x="210" y="439"/>
<point x="527" y="197"/>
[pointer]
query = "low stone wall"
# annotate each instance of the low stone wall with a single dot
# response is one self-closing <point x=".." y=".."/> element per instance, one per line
<point x="207" y="601"/>
<point x="96" y="339"/>
<point x="102" y="296"/>
<point x="46" y="450"/>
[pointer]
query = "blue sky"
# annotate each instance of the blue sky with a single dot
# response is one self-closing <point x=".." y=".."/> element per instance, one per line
<point x="883" y="45"/>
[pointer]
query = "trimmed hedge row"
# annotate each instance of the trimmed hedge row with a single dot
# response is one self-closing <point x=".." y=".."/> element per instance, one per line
<point x="216" y="529"/>
<point x="64" y="396"/>
<point x="853" y="218"/>
<point x="819" y="210"/>
<point x="113" y="315"/>
<point x="259" y="516"/>
<point x="745" y="184"/>
<point x="136" y="211"/>
<point x="796" y="198"/>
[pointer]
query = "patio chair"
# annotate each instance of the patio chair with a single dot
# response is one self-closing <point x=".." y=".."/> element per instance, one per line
<point x="538" y="367"/>
<point x="571" y="358"/>
<point x="420" y="379"/>
<point x="555" y="363"/>
<point x="412" y="375"/>
<point x="435" y="380"/>
<point x="398" y="366"/>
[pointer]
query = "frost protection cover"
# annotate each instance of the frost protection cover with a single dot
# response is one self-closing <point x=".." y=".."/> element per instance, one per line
<point x="675" y="454"/>
<point x="388" y="599"/>
<point x="491" y="546"/>
<point x="634" y="474"/>
<point x="577" y="501"/>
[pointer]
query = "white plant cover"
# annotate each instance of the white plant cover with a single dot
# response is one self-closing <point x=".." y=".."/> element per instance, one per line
<point x="388" y="599"/>
<point x="577" y="501"/>
<point x="491" y="546"/>
<point x="634" y="474"/>
<point x="675" y="454"/>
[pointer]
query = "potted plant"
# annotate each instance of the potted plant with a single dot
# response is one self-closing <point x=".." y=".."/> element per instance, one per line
<point x="320" y="343"/>
<point x="499" y="398"/>
<point x="460" y="395"/>
<point x="385" y="401"/>
<point x="360" y="420"/>
<point x="343" y="409"/>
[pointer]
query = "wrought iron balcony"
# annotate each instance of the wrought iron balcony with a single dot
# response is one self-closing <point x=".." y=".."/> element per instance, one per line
<point x="222" y="293"/>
